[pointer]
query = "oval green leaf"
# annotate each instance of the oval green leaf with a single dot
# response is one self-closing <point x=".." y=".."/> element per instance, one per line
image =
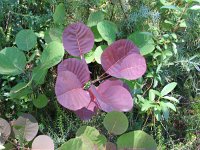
<point x="97" y="54"/>
<point x="144" y="41"/>
<point x="107" y="30"/>
<point x="136" y="140"/>
<point x="116" y="126"/>
<point x="59" y="14"/>
<point x="52" y="55"/>
<point x="26" y="40"/>
<point x="168" y="88"/>
<point x="41" y="101"/>
<point x="95" y="18"/>
<point x="12" y="61"/>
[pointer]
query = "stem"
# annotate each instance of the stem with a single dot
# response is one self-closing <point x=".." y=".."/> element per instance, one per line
<point x="178" y="22"/>
<point x="99" y="79"/>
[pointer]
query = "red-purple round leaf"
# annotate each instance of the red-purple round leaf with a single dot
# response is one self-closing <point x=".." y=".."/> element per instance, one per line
<point x="4" y="130"/>
<point x="111" y="96"/>
<point x="115" y="98"/>
<point x="42" y="142"/>
<point x="78" y="67"/>
<point x="78" y="39"/>
<point x="88" y="112"/>
<point x="25" y="126"/>
<point x="69" y="91"/>
<point x="120" y="61"/>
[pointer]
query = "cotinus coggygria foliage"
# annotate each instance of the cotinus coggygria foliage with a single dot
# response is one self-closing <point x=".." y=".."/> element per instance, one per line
<point x="121" y="59"/>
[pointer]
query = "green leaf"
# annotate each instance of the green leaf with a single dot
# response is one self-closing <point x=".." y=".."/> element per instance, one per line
<point x="97" y="35"/>
<point x="151" y="95"/>
<point x="195" y="7"/>
<point x="165" y="110"/>
<point x="89" y="57"/>
<point x="53" y="34"/>
<point x="168" y="88"/>
<point x="75" y="144"/>
<point x="59" y="14"/>
<point x="39" y="74"/>
<point x="15" y="92"/>
<point x="97" y="54"/>
<point x="170" y="105"/>
<point x="107" y="30"/>
<point x="136" y="140"/>
<point x="146" y="105"/>
<point x="52" y="55"/>
<point x="113" y="125"/>
<point x="12" y="61"/>
<point x="93" y="135"/>
<point x="41" y="101"/>
<point x="170" y="7"/>
<point x="95" y="18"/>
<point x="144" y="41"/>
<point x="171" y="98"/>
<point x="26" y="40"/>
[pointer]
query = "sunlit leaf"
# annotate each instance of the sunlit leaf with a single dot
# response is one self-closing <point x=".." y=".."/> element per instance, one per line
<point x="12" y="61"/>
<point x="42" y="142"/>
<point x="136" y="140"/>
<point x="26" y="40"/>
<point x="115" y="125"/>
<point x="78" y="39"/>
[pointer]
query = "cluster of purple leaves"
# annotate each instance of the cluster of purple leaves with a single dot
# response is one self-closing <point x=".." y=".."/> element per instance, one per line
<point x="121" y="59"/>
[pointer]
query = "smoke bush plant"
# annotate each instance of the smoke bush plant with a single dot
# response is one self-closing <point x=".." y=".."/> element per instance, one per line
<point x="121" y="59"/>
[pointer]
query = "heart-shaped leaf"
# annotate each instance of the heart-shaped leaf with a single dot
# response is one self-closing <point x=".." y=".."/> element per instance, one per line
<point x="12" y="61"/>
<point x="115" y="125"/>
<point x="25" y="127"/>
<point x="78" y="39"/>
<point x="78" y="67"/>
<point x="136" y="140"/>
<point x="5" y="130"/>
<point x="26" y="40"/>
<point x="122" y="60"/>
<point x="69" y="91"/>
<point x="42" y="142"/>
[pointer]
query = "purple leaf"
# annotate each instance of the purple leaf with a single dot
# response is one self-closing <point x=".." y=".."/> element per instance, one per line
<point x="78" y="67"/>
<point x="26" y="126"/>
<point x="43" y="142"/>
<point x="69" y="91"/>
<point x="5" y="130"/>
<point x="78" y="39"/>
<point x="122" y="60"/>
<point x="111" y="96"/>
<point x="86" y="113"/>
